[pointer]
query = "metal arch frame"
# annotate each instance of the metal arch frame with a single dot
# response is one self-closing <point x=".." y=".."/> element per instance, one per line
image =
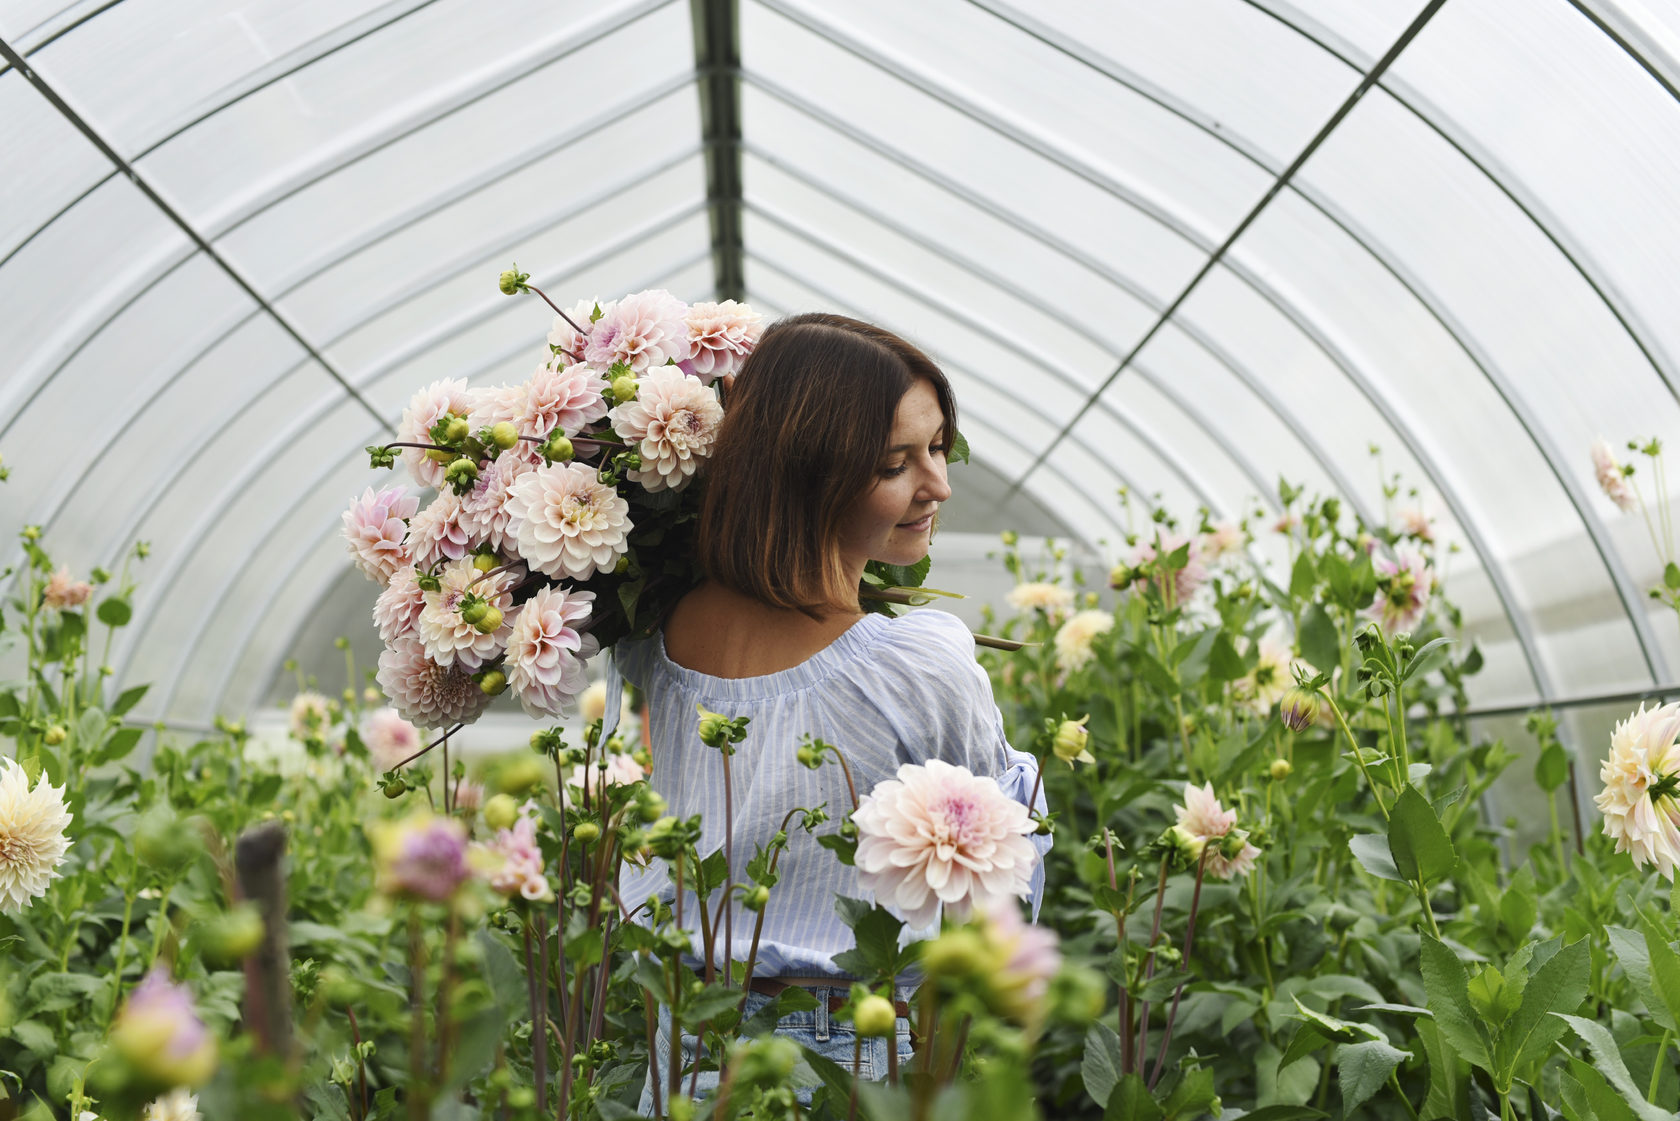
<point x="1580" y="501"/>
<point x="1009" y="343"/>
<point x="1073" y="253"/>
<point x="717" y="59"/>
<point x="981" y="272"/>
<point x="1630" y="35"/>
<point x="833" y="297"/>
<point x="378" y="369"/>
<point x="304" y="495"/>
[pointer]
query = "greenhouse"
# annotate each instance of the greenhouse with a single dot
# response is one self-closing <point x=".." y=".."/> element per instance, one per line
<point x="995" y="560"/>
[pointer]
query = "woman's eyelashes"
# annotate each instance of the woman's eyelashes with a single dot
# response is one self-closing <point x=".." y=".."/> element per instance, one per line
<point x="892" y="471"/>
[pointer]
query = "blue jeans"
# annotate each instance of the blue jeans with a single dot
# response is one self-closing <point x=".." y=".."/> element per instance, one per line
<point x="831" y="1038"/>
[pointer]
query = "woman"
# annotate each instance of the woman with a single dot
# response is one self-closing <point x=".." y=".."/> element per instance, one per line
<point x="832" y="454"/>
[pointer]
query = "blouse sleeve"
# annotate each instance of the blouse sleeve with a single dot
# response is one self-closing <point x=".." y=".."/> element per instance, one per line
<point x="941" y="702"/>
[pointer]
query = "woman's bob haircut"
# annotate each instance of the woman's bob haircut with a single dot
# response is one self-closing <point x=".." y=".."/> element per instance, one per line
<point x="809" y="418"/>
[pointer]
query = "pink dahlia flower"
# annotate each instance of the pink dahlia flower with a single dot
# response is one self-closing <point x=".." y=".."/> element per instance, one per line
<point x="561" y="336"/>
<point x="450" y="639"/>
<point x="1612" y="478"/>
<point x="425" y="409"/>
<point x="570" y="523"/>
<point x="485" y="511"/>
<point x="620" y="769"/>
<point x="158" y="1031"/>
<point x="941" y="834"/>
<point x="1030" y="957"/>
<point x="374" y="528"/>
<point x="426" y="693"/>
<point x="547" y="649"/>
<point x="1288" y="522"/>
<point x="469" y="795"/>
<point x="420" y="857"/>
<point x="1641" y="777"/>
<point x="1415" y="523"/>
<point x="644" y="331"/>
<point x="398" y="607"/>
<point x="673" y="423"/>
<point x="63" y="591"/>
<point x="1185" y="580"/>
<point x="1224" y="539"/>
<point x="567" y="398"/>
<point x="513" y="863"/>
<point x="722" y="336"/>
<point x="1403" y="588"/>
<point x="440" y="531"/>
<point x="1208" y="822"/>
<point x="389" y="738"/>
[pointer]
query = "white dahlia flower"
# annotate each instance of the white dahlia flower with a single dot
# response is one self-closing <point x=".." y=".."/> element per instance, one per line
<point x="450" y="639"/>
<point x="310" y="715"/>
<point x="1265" y="684"/>
<point x="179" y="1104"/>
<point x="1076" y="638"/>
<point x="722" y="336"/>
<point x="645" y="330"/>
<point x="32" y="835"/>
<point x="440" y="531"/>
<point x="570" y="523"/>
<point x="426" y="693"/>
<point x="941" y="834"/>
<point x="547" y="649"/>
<point x="1641" y="777"/>
<point x="425" y="409"/>
<point x="389" y="738"/>
<point x="374" y="528"/>
<point x="398" y="607"/>
<point x="1207" y="821"/>
<point x="673" y="423"/>
<point x="1612" y="479"/>
<point x="1052" y="599"/>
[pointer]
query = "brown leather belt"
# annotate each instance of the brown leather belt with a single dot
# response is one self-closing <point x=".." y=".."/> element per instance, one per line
<point x="769" y="986"/>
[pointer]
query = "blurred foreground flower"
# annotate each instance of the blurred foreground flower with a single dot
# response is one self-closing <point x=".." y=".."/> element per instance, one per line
<point x="940" y="834"/>
<point x="177" y="1105"/>
<point x="1076" y="637"/>
<point x="420" y="857"/>
<point x="1052" y="599"/>
<point x="1269" y="680"/>
<point x="32" y="835"/>
<point x="616" y="768"/>
<point x="513" y="863"/>
<point x="62" y="591"/>
<point x="1612" y="476"/>
<point x="1206" y="821"/>
<point x="1641" y="777"/>
<point x="160" y="1035"/>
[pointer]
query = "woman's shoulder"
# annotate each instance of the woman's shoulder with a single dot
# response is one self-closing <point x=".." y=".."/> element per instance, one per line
<point x="928" y="648"/>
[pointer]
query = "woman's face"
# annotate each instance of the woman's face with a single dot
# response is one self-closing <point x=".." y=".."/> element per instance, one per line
<point x="893" y="520"/>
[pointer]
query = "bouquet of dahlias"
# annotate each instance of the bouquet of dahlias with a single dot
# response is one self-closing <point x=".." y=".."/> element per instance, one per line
<point x="562" y="508"/>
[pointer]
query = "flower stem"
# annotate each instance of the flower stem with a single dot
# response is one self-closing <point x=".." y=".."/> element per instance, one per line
<point x="1357" y="756"/>
<point x="1149" y="967"/>
<point x="539" y="1022"/>
<point x="1178" y="994"/>
<point x="1657" y="1065"/>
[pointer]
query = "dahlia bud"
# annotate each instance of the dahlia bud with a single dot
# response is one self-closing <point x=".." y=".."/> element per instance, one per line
<point x="1121" y="576"/>
<point x="643" y="758"/>
<point x="558" y="449"/>
<point x="1070" y="740"/>
<point x="461" y="472"/>
<point x="473" y="611"/>
<point x="504" y="435"/>
<point x="1299" y="709"/>
<point x="484" y="562"/>
<point x="439" y="455"/>
<point x="1281" y="769"/>
<point x="232" y="936"/>
<point x="56" y="735"/>
<point x="755" y="899"/>
<point x="585" y="832"/>
<point x="492" y="619"/>
<point x="651" y="807"/>
<point x="957" y="953"/>
<point x="494" y="683"/>
<point x="875" y="1017"/>
<point x="160" y="1035"/>
<point x="457" y="429"/>
<point x="509" y="281"/>
<point x="501" y="811"/>
<point x="1185" y="846"/>
<point x="808" y="757"/>
<point x="624" y="388"/>
<point x="395" y="788"/>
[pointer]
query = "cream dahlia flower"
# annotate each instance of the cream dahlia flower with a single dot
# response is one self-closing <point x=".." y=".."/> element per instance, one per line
<point x="1223" y="539"/>
<point x="450" y="639"/>
<point x="309" y="715"/>
<point x="1076" y="638"/>
<point x="1185" y="580"/>
<point x="1612" y="479"/>
<point x="1403" y="588"/>
<point x="1052" y="599"/>
<point x="178" y="1105"/>
<point x="547" y="649"/>
<point x="425" y="409"/>
<point x="673" y="423"/>
<point x="513" y="863"/>
<point x="567" y="398"/>
<point x="426" y="693"/>
<point x="398" y="607"/>
<point x="62" y="590"/>
<point x="486" y="514"/>
<point x="440" y="531"/>
<point x="722" y="336"/>
<point x="374" y="529"/>
<point x="645" y="330"/>
<point x="1269" y="680"/>
<point x="1208" y="822"/>
<point x="569" y="342"/>
<point x="939" y="834"/>
<point x="570" y="523"/>
<point x="1641" y="777"/>
<point x="621" y="770"/>
<point x="389" y="738"/>
<point x="32" y="835"/>
<point x="1415" y="523"/>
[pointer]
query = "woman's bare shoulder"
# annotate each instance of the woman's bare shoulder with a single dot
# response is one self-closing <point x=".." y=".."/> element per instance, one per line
<point x="719" y="632"/>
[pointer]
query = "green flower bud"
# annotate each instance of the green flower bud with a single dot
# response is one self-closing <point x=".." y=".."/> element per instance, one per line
<point x="56" y="735"/>
<point x="516" y="776"/>
<point x="501" y="811"/>
<point x="396" y="788"/>
<point x="1298" y="709"/>
<point x="439" y="455"/>
<point x="1070" y="742"/>
<point x="1010" y="538"/>
<point x="958" y="953"/>
<point x="484" y="562"/>
<point x="462" y="471"/>
<point x="504" y="435"/>
<point x="508" y="282"/>
<point x="559" y="449"/>
<point x="164" y="843"/>
<point x="652" y="806"/>
<point x="491" y="620"/>
<point x="714" y="728"/>
<point x="875" y="1017"/>
<point x="624" y="388"/>
<point x="756" y="898"/>
<point x="457" y="430"/>
<point x="494" y="683"/>
<point x="1121" y="577"/>
<point x="586" y="832"/>
<point x="1281" y="769"/>
<point x="233" y="935"/>
<point x="473" y="611"/>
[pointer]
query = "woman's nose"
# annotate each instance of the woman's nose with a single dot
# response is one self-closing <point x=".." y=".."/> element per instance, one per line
<point x="938" y="487"/>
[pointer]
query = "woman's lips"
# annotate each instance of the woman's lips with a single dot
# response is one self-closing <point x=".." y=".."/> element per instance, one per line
<point x="918" y="525"/>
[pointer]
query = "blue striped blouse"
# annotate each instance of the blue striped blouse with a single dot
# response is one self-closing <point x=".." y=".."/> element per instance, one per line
<point x="886" y="692"/>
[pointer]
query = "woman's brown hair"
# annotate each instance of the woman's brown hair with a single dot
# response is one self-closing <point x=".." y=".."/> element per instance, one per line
<point x="807" y="422"/>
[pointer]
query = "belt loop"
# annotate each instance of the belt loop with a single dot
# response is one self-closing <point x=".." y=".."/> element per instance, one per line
<point x="822" y="1015"/>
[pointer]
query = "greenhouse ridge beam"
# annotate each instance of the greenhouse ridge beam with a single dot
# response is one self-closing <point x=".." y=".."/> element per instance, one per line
<point x="717" y="59"/>
<point x="174" y="216"/>
<point x="1282" y="181"/>
<point x="1628" y="34"/>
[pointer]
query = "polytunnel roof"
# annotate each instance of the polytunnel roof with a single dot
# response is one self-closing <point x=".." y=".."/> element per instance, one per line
<point x="1183" y="249"/>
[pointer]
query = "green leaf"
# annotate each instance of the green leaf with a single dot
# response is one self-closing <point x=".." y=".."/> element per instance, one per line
<point x="1302" y="577"/>
<point x="1371" y="850"/>
<point x="1557" y="986"/>
<point x="1131" y="1101"/>
<point x="1305" y="1042"/>
<point x="1284" y="1113"/>
<point x="1321" y="643"/>
<point x="1362" y="1068"/>
<point x="709" y="1003"/>
<point x="1193" y="1096"/>
<point x="1635" y="959"/>
<point x="1671" y="576"/>
<point x="1448" y="1074"/>
<point x="876" y="930"/>
<point x="1551" y="770"/>
<point x="1607" y="1060"/>
<point x="1665" y="974"/>
<point x="1430" y="655"/>
<point x="114" y="611"/>
<point x="36" y="1037"/>
<point x="1519" y="905"/>
<point x="128" y="699"/>
<point x="54" y="992"/>
<point x="1422" y="851"/>
<point x="1100" y="1068"/>
<point x="1446" y="988"/>
<point x="1340" y="1031"/>
<point x="1224" y="663"/>
<point x="959" y="449"/>
<point x="120" y="743"/>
